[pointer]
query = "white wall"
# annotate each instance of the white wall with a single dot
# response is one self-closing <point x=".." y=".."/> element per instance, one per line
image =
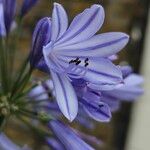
<point x="139" y="131"/>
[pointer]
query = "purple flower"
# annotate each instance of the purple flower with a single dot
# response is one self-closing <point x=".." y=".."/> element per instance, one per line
<point x="7" y="144"/>
<point x="9" y="7"/>
<point x="76" y="52"/>
<point x="41" y="37"/>
<point x="26" y="6"/>
<point x="68" y="137"/>
<point x="2" y="21"/>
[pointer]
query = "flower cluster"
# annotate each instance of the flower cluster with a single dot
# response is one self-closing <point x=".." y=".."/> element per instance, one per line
<point x="81" y="83"/>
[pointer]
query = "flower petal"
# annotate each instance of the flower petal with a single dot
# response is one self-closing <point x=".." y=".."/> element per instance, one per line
<point x="59" y="21"/>
<point x="101" y="45"/>
<point x="7" y="144"/>
<point x="54" y="144"/>
<point x="68" y="137"/>
<point x="112" y="102"/>
<point x="84" y="25"/>
<point x="65" y="95"/>
<point x="98" y="111"/>
<point x="2" y="24"/>
<point x="130" y="90"/>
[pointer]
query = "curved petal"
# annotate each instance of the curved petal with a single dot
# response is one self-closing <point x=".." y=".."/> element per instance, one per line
<point x="101" y="45"/>
<point x="84" y="25"/>
<point x="98" y="111"/>
<point x="68" y="137"/>
<point x="126" y="71"/>
<point x="134" y="79"/>
<point x="65" y="96"/>
<point x="59" y="21"/>
<point x="130" y="90"/>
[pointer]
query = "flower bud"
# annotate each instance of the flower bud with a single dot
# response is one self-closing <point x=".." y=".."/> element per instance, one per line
<point x="27" y="5"/>
<point x="41" y="37"/>
<point x="9" y="7"/>
<point x="2" y="23"/>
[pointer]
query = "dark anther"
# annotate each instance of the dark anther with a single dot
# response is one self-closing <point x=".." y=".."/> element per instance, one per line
<point x="77" y="59"/>
<point x="86" y="64"/>
<point x="78" y="62"/>
<point x="86" y="60"/>
<point x="71" y="61"/>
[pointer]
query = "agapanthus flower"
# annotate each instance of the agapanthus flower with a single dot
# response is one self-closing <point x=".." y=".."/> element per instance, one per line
<point x="7" y="144"/>
<point x="76" y="52"/>
<point x="26" y="6"/>
<point x="9" y="7"/>
<point x="68" y="137"/>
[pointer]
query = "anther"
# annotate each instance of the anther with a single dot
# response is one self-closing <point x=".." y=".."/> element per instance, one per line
<point x="86" y="60"/>
<point x="86" y="64"/>
<point x="71" y="61"/>
<point x="78" y="62"/>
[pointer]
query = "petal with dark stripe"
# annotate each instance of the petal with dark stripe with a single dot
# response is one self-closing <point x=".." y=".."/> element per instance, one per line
<point x="59" y="21"/>
<point x="68" y="137"/>
<point x="98" y="111"/>
<point x="101" y="45"/>
<point x="84" y="25"/>
<point x="65" y="95"/>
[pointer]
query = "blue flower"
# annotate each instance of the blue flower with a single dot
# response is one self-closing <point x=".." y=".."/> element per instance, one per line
<point x="76" y="52"/>
<point x="7" y="144"/>
<point x="68" y="137"/>
<point x="26" y="6"/>
<point x="2" y="21"/>
<point x="9" y="7"/>
<point x="41" y="37"/>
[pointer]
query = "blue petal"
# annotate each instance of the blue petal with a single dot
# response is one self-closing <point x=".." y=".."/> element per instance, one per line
<point x="126" y="70"/>
<point x="65" y="95"/>
<point x="130" y="90"/>
<point x="84" y="26"/>
<point x="112" y="102"/>
<point x="41" y="37"/>
<point x="2" y="24"/>
<point x="101" y="45"/>
<point x="59" y="21"/>
<point x="9" y="13"/>
<point x="7" y="144"/>
<point x="98" y="111"/>
<point x="27" y="5"/>
<point x="55" y="144"/>
<point x="68" y="137"/>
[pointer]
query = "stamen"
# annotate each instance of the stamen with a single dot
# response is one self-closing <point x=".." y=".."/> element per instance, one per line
<point x="78" y="62"/>
<point x="86" y="64"/>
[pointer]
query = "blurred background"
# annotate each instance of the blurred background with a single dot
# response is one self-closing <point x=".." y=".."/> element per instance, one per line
<point x="130" y="127"/>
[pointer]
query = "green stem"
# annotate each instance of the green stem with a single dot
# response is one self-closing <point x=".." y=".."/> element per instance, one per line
<point x="37" y="130"/>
